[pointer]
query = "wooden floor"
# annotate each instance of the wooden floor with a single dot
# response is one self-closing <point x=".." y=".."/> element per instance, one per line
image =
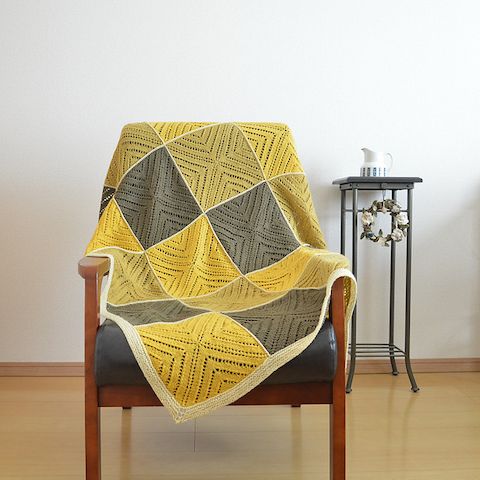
<point x="392" y="434"/>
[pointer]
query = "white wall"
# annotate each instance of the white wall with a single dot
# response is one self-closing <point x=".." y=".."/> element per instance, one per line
<point x="397" y="76"/>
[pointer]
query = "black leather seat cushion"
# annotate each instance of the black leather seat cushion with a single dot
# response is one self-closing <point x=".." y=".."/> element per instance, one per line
<point x="116" y="365"/>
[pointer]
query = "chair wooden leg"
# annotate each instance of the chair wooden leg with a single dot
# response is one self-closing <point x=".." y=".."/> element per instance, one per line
<point x="92" y="438"/>
<point x="337" y="441"/>
<point x="337" y="408"/>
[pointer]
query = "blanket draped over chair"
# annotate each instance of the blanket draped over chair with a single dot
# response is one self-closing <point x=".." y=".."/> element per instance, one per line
<point x="219" y="270"/>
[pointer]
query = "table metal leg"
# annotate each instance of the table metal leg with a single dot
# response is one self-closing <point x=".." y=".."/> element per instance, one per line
<point x="353" y="336"/>
<point x="409" y="293"/>
<point x="391" y="334"/>
<point x="342" y="222"/>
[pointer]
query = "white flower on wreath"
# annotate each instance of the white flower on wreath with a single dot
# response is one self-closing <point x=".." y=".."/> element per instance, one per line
<point x="395" y="208"/>
<point x="397" y="234"/>
<point x="402" y="218"/>
<point x="382" y="241"/>
<point x="367" y="218"/>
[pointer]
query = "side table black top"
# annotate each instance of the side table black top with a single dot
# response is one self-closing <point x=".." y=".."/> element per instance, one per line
<point x="377" y="183"/>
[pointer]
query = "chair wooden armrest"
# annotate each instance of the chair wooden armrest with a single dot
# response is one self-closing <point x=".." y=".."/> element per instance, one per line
<point x="93" y="266"/>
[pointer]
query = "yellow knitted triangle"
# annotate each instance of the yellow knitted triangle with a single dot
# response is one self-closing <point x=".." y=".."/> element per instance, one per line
<point x="202" y="357"/>
<point x="273" y="146"/>
<point x="284" y="274"/>
<point x="238" y="295"/>
<point x="294" y="198"/>
<point x="134" y="279"/>
<point x="192" y="262"/>
<point x="112" y="229"/>
<point x="136" y="141"/>
<point x="170" y="130"/>
<point x="217" y="163"/>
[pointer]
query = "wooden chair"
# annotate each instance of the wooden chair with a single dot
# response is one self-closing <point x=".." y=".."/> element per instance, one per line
<point x="333" y="393"/>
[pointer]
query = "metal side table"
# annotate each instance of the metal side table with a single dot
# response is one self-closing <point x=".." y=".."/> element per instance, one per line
<point x="376" y="350"/>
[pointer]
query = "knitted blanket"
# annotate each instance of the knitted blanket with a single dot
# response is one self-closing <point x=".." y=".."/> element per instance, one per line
<point x="219" y="270"/>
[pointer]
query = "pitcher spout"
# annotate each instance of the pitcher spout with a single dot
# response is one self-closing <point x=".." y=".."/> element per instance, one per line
<point x="370" y="155"/>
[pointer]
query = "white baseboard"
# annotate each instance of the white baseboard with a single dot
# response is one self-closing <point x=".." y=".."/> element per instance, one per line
<point x="41" y="369"/>
<point x="419" y="365"/>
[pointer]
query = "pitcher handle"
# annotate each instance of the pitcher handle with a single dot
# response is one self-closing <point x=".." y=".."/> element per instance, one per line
<point x="391" y="161"/>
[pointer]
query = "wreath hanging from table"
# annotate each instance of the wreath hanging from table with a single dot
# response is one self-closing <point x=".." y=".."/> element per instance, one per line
<point x="400" y="222"/>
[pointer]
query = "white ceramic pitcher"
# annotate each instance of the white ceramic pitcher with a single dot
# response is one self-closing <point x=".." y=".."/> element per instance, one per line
<point x="376" y="164"/>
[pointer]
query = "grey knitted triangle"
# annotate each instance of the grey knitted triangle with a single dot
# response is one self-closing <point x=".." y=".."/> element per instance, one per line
<point x="107" y="195"/>
<point x="155" y="200"/>
<point x="143" y="313"/>
<point x="285" y="320"/>
<point x="253" y="230"/>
